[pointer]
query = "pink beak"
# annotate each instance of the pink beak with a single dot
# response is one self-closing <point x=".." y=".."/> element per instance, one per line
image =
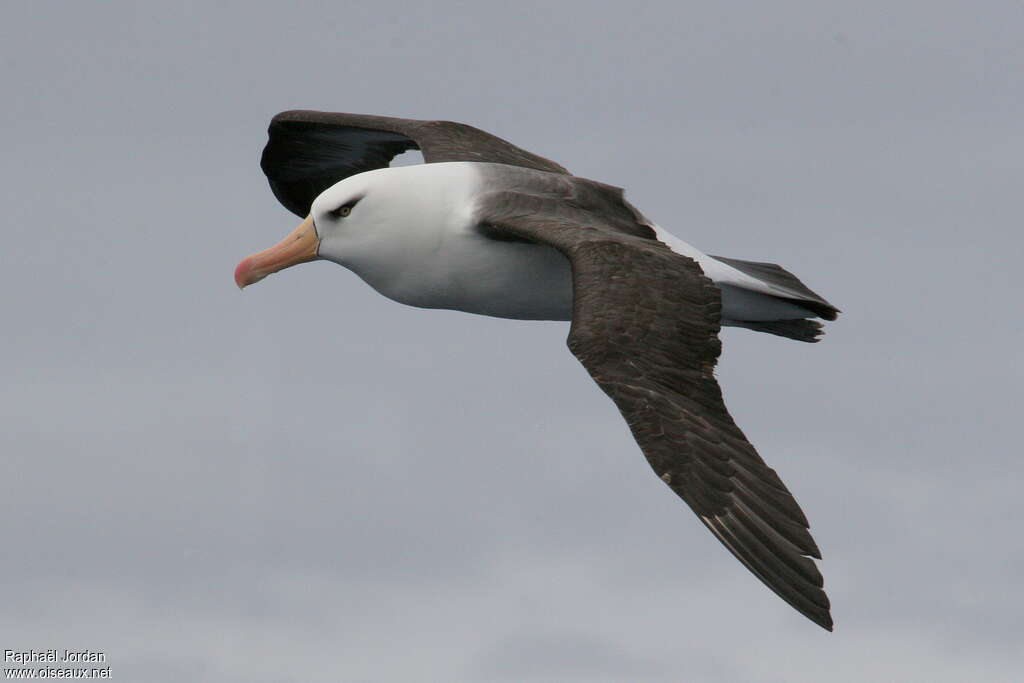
<point x="298" y="247"/>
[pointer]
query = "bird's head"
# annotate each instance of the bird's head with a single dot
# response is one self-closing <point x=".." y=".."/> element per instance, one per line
<point x="351" y="218"/>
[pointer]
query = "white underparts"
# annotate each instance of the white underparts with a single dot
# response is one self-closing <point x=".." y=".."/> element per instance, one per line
<point x="412" y="236"/>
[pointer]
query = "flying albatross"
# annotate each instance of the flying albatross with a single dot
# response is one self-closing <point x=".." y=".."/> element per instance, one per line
<point x="487" y="227"/>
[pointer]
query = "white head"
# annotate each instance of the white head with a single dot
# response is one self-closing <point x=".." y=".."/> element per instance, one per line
<point x="370" y="221"/>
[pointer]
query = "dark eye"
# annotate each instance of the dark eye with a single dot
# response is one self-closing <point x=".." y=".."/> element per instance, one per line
<point x="344" y="209"/>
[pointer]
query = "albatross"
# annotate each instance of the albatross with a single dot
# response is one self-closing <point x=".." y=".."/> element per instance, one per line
<point x="486" y="227"/>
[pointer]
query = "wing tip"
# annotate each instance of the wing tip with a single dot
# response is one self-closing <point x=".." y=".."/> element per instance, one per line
<point x="824" y="619"/>
<point x="814" y="605"/>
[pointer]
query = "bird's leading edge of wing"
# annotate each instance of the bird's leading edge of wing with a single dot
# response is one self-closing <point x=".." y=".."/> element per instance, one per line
<point x="309" y="151"/>
<point x="645" y="325"/>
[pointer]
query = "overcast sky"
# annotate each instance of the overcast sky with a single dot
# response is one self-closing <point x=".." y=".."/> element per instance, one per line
<point x="306" y="481"/>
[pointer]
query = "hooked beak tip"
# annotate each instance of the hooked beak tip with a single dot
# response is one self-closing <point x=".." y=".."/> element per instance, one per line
<point x="242" y="273"/>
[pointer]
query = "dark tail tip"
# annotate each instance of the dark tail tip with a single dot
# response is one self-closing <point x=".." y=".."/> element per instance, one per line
<point x="800" y="329"/>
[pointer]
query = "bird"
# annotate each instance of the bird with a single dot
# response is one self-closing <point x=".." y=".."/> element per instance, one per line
<point x="486" y="227"/>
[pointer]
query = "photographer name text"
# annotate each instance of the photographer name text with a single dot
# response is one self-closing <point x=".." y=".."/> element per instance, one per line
<point x="30" y="656"/>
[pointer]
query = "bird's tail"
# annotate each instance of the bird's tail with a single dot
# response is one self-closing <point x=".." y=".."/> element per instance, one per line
<point x="783" y="305"/>
<point x="800" y="329"/>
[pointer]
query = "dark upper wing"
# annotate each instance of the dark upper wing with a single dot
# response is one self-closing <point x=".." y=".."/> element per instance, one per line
<point x="645" y="325"/>
<point x="308" y="151"/>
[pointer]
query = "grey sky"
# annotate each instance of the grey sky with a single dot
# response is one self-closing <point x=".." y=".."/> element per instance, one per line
<point x="309" y="482"/>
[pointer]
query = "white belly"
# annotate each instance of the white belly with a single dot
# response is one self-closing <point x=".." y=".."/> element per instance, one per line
<point x="475" y="274"/>
<point x="417" y="243"/>
<point x="421" y="246"/>
<point x="479" y="275"/>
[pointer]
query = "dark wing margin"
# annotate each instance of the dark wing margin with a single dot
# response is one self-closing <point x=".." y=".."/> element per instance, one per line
<point x="645" y="326"/>
<point x="308" y="151"/>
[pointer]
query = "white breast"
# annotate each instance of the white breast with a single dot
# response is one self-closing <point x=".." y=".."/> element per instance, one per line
<point x="418" y="243"/>
<point x="421" y="247"/>
<point x="504" y="279"/>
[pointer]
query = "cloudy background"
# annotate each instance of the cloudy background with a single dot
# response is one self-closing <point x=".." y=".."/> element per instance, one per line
<point x="309" y="482"/>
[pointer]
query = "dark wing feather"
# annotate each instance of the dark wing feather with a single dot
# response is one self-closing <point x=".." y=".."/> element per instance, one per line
<point x="645" y="325"/>
<point x="308" y="151"/>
